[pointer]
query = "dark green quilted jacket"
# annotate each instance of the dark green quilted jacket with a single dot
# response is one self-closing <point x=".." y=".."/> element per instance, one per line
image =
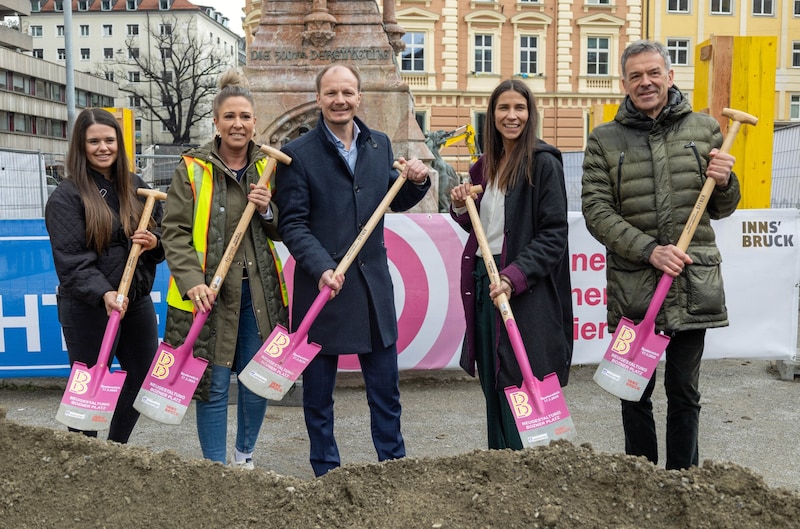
<point x="641" y="179"/>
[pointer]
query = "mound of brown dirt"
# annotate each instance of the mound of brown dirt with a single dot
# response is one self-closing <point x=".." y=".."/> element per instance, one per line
<point x="55" y="479"/>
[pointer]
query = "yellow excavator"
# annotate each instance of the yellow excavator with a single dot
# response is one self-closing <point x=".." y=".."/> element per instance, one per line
<point x="436" y="140"/>
<point x="464" y="133"/>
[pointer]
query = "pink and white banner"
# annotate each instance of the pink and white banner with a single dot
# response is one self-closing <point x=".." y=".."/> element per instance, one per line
<point x="761" y="268"/>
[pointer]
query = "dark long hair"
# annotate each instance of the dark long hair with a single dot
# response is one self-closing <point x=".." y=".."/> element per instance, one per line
<point x="99" y="217"/>
<point x="521" y="157"/>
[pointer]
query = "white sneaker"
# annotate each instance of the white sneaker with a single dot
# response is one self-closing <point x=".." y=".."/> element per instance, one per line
<point x="245" y="464"/>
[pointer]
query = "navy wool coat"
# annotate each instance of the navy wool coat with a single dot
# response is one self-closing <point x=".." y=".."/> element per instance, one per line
<point x="324" y="207"/>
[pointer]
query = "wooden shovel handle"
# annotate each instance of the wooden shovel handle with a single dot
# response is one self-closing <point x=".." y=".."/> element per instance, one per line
<point x="501" y="301"/>
<point x="373" y="221"/>
<point x="133" y="256"/>
<point x="273" y="157"/>
<point x="738" y="117"/>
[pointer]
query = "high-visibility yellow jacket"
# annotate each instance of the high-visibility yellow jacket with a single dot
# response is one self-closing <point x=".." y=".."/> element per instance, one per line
<point x="204" y="205"/>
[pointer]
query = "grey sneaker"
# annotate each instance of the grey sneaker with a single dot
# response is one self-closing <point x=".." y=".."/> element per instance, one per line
<point x="246" y="464"/>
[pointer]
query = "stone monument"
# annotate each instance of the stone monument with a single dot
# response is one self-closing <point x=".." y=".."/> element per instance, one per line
<point x="295" y="38"/>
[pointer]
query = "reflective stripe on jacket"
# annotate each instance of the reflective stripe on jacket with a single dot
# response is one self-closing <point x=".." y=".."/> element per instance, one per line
<point x="202" y="189"/>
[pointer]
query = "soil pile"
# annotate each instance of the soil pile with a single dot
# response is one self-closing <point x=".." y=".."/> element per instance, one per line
<point x="53" y="479"/>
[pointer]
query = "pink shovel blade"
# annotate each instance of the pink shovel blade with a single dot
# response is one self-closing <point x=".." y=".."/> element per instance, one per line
<point x="630" y="360"/>
<point x="170" y="384"/>
<point x="90" y="397"/>
<point x="540" y="412"/>
<point x="278" y="363"/>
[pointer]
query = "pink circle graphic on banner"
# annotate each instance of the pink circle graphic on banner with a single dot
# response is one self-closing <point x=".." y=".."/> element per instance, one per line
<point x="424" y="253"/>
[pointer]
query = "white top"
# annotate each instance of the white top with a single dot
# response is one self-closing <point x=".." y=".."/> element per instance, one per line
<point x="493" y="215"/>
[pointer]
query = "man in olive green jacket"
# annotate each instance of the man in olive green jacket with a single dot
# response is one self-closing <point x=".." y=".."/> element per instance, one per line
<point x="642" y="175"/>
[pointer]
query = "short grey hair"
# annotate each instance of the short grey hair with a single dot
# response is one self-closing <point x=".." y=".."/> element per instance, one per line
<point x="645" y="46"/>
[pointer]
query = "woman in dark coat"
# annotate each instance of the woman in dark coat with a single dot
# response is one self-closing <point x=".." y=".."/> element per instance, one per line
<point x="523" y="211"/>
<point x="92" y="219"/>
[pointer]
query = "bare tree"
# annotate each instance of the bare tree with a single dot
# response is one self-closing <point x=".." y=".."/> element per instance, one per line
<point x="177" y="74"/>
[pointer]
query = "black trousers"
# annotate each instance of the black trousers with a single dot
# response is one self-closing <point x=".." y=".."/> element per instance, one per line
<point x="84" y="325"/>
<point x="681" y="384"/>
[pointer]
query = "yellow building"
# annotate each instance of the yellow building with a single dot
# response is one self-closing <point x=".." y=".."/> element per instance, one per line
<point x="683" y="24"/>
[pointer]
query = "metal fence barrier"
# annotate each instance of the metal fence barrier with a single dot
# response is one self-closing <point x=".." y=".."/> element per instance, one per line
<point x="28" y="177"/>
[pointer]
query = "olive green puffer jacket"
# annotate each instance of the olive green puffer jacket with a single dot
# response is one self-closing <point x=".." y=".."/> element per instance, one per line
<point x="641" y="179"/>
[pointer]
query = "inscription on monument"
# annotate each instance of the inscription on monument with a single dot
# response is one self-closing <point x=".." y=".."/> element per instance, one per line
<point x="337" y="54"/>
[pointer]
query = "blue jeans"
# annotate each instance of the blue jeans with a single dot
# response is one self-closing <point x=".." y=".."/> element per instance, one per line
<point x="212" y="415"/>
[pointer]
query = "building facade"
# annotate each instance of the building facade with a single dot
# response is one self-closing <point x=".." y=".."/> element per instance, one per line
<point x="139" y="44"/>
<point x="683" y="24"/>
<point x="457" y="51"/>
<point x="33" y="108"/>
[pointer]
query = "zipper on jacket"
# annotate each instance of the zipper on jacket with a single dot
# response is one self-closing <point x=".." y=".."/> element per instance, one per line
<point x="619" y="178"/>
<point x="691" y="145"/>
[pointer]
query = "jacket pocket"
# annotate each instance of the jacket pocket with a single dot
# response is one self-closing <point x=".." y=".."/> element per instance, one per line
<point x="631" y="288"/>
<point x="704" y="289"/>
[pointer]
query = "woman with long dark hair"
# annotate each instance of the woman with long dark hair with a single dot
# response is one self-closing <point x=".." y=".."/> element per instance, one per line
<point x="523" y="211"/>
<point x="92" y="218"/>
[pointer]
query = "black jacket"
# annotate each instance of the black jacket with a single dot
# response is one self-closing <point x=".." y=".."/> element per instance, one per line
<point x="83" y="273"/>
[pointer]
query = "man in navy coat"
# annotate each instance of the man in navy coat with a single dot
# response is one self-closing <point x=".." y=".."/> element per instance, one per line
<point x="340" y="172"/>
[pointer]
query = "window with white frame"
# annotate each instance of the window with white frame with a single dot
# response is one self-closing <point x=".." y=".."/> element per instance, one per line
<point x="485" y="50"/>
<point x="797" y="8"/>
<point x="62" y="55"/>
<point x="36" y="6"/>
<point x="721" y="7"/>
<point x="412" y="59"/>
<point x="166" y="53"/>
<point x="84" y="30"/>
<point x="794" y="107"/>
<point x="36" y="31"/>
<point x="134" y="101"/>
<point x="165" y="29"/>
<point x="105" y="5"/>
<point x="678" y="51"/>
<point x="528" y="54"/>
<point x="86" y="54"/>
<point x="133" y="30"/>
<point x="134" y="76"/>
<point x="166" y="76"/>
<point x="133" y="53"/>
<point x="598" y="2"/>
<point x="108" y="30"/>
<point x="417" y="60"/>
<point x="677" y="6"/>
<point x="38" y="53"/>
<point x="109" y="75"/>
<point x="60" y="30"/>
<point x="796" y="54"/>
<point x="59" y="5"/>
<point x="130" y="5"/>
<point x="83" y="5"/>
<point x="108" y="54"/>
<point x="164" y="5"/>
<point x="597" y="54"/>
<point x="483" y="53"/>
<point x="763" y="7"/>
